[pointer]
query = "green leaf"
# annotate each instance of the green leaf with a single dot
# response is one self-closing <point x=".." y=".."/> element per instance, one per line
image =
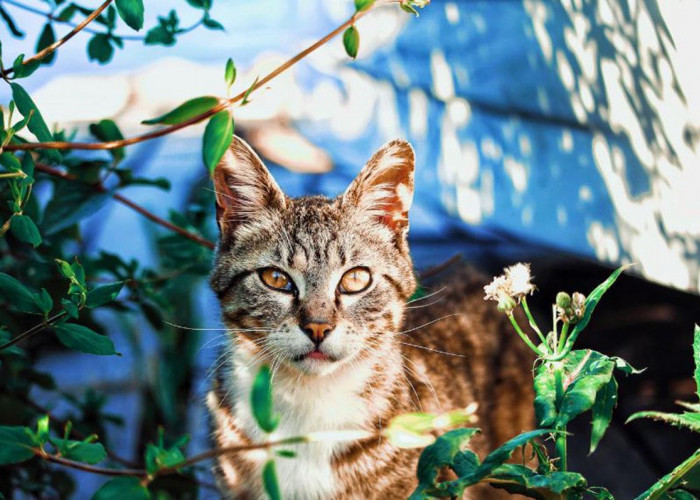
<point x="605" y="402"/>
<point x="592" y="372"/>
<point x="121" y="488"/>
<point x="625" y="367"/>
<point x="212" y="24"/>
<point x="286" y="453"/>
<point x="200" y="4"/>
<point x="442" y="453"/>
<point x="158" y="457"/>
<point x="67" y="13"/>
<point x="249" y="91"/>
<point x="261" y="400"/>
<point x="10" y="162"/>
<point x="21" y="297"/>
<point x="230" y="74"/>
<point x="42" y="429"/>
<point x="518" y="479"/>
<point x="269" y="476"/>
<point x="659" y="490"/>
<point x="107" y="131"/>
<point x="186" y="111"/>
<point x="16" y="444"/>
<point x="10" y="23"/>
<point x="217" y="138"/>
<point x="100" y="49"/>
<point x="22" y="69"/>
<point x="81" y="451"/>
<point x="103" y="294"/>
<point x="545" y="396"/>
<point x="351" y="41"/>
<point x="361" y="5"/>
<point x="36" y="125"/>
<point x="689" y="420"/>
<point x="46" y="38"/>
<point x="131" y="12"/>
<point x="159" y="35"/>
<point x="24" y="229"/>
<point x="600" y="493"/>
<point x="83" y="339"/>
<point x="406" y="7"/>
<point x="71" y="202"/>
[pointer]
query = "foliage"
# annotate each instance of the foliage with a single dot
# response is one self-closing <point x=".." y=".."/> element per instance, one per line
<point x="56" y="296"/>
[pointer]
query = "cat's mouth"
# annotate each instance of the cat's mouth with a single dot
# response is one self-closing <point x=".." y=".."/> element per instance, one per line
<point x="315" y="355"/>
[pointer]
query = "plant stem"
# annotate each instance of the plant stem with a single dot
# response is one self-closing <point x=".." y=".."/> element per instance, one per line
<point x="562" y="337"/>
<point x="35" y="329"/>
<point x="134" y="206"/>
<point x="666" y="482"/>
<point x="533" y="324"/>
<point x="45" y="52"/>
<point x="225" y="104"/>
<point x="560" y="440"/>
<point x="10" y="175"/>
<point x="523" y="336"/>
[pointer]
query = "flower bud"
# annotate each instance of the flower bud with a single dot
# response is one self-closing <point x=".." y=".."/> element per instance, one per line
<point x="578" y="304"/>
<point x="506" y="303"/>
<point x="563" y="300"/>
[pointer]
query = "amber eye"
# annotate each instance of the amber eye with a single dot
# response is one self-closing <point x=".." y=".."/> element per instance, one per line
<point x="355" y="280"/>
<point x="274" y="278"/>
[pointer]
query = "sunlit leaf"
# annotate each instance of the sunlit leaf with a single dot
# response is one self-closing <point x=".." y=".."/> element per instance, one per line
<point x="218" y="135"/>
<point x="230" y="74"/>
<point x="361" y="5"/>
<point x="269" y="475"/>
<point x="351" y="41"/>
<point x="186" y="111"/>
<point x="261" y="400"/>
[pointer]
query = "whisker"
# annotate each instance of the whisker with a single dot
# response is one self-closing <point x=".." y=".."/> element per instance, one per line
<point x="433" y="350"/>
<point x="405" y="332"/>
<point x="427" y="296"/>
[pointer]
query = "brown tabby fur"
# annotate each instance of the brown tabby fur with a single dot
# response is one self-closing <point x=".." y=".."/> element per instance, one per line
<point x="435" y="354"/>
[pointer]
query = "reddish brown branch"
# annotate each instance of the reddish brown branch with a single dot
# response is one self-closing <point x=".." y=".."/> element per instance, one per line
<point x="46" y="51"/>
<point x="207" y="114"/>
<point x="134" y="206"/>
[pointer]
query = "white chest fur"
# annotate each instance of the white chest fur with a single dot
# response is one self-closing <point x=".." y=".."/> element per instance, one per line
<point x="306" y="405"/>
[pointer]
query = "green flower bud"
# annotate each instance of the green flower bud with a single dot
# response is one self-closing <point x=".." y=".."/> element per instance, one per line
<point x="563" y="300"/>
<point x="506" y="303"/>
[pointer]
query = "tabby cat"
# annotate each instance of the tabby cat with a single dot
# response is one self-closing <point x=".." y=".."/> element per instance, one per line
<point x="319" y="289"/>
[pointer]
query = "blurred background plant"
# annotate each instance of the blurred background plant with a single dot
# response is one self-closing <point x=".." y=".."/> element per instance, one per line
<point x="547" y="131"/>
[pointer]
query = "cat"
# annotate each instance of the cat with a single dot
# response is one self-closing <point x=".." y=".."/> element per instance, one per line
<point x="319" y="289"/>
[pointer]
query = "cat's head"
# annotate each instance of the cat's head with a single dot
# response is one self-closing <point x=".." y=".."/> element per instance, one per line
<point x="313" y="283"/>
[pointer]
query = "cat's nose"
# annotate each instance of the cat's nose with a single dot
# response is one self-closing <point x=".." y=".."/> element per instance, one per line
<point x="317" y="331"/>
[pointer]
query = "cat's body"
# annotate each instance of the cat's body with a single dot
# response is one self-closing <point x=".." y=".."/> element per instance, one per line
<point x="319" y="288"/>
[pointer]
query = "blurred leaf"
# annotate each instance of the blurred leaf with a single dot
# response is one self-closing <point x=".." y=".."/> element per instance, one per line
<point x="36" y="125"/>
<point x="131" y="12"/>
<point x="21" y="297"/>
<point x="71" y="202"/>
<point x="122" y="488"/>
<point x="89" y="453"/>
<point x="269" y="475"/>
<point x="46" y="38"/>
<point x="200" y="4"/>
<point x="107" y="131"/>
<point x="126" y="178"/>
<point x="361" y="5"/>
<point x="158" y="457"/>
<point x="16" y="444"/>
<point x="351" y="41"/>
<point x="605" y="402"/>
<point x="11" y="24"/>
<point x="100" y="49"/>
<point x="103" y="294"/>
<point x="24" y="229"/>
<point x="23" y="70"/>
<point x="185" y="111"/>
<point x="261" y="401"/>
<point x="83" y="339"/>
<point x="212" y="24"/>
<point x="42" y="429"/>
<point x="67" y="13"/>
<point x="696" y="358"/>
<point x="159" y="35"/>
<point x="10" y="162"/>
<point x="230" y="74"/>
<point x="218" y="135"/>
<point x="406" y="7"/>
<point x="248" y="92"/>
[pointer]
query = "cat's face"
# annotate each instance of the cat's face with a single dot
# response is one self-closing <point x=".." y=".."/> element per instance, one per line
<point x="313" y="283"/>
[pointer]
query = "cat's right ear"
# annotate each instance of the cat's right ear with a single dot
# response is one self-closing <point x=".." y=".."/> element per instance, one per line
<point x="244" y="188"/>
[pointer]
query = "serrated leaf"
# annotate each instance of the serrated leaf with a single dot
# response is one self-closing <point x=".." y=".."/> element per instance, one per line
<point x="46" y="38"/>
<point x="442" y="453"/>
<point x="16" y="444"/>
<point x="186" y="111"/>
<point x="605" y="402"/>
<point x="107" y="131"/>
<point x="261" y="400"/>
<point x="83" y="339"/>
<point x="100" y="49"/>
<point x="218" y="135"/>
<point x="104" y="294"/>
<point x="518" y="479"/>
<point x="269" y="476"/>
<point x="545" y="396"/>
<point x="689" y="420"/>
<point x="131" y="12"/>
<point x="230" y="73"/>
<point x="351" y="41"/>
<point x="36" y="125"/>
<point x="122" y="488"/>
<point x="24" y="229"/>
<point x="21" y="297"/>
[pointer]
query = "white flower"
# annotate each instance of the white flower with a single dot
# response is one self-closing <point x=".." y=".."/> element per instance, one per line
<point x="497" y="288"/>
<point x="519" y="278"/>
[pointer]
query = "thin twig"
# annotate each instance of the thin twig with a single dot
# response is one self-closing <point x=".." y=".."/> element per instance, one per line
<point x="134" y="206"/>
<point x="46" y="51"/>
<point x="35" y="329"/>
<point x="201" y="117"/>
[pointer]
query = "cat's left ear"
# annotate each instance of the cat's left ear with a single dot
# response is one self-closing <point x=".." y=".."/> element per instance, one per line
<point x="384" y="187"/>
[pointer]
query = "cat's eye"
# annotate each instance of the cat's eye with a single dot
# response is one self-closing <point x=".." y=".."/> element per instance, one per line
<point x="276" y="279"/>
<point x="355" y="280"/>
